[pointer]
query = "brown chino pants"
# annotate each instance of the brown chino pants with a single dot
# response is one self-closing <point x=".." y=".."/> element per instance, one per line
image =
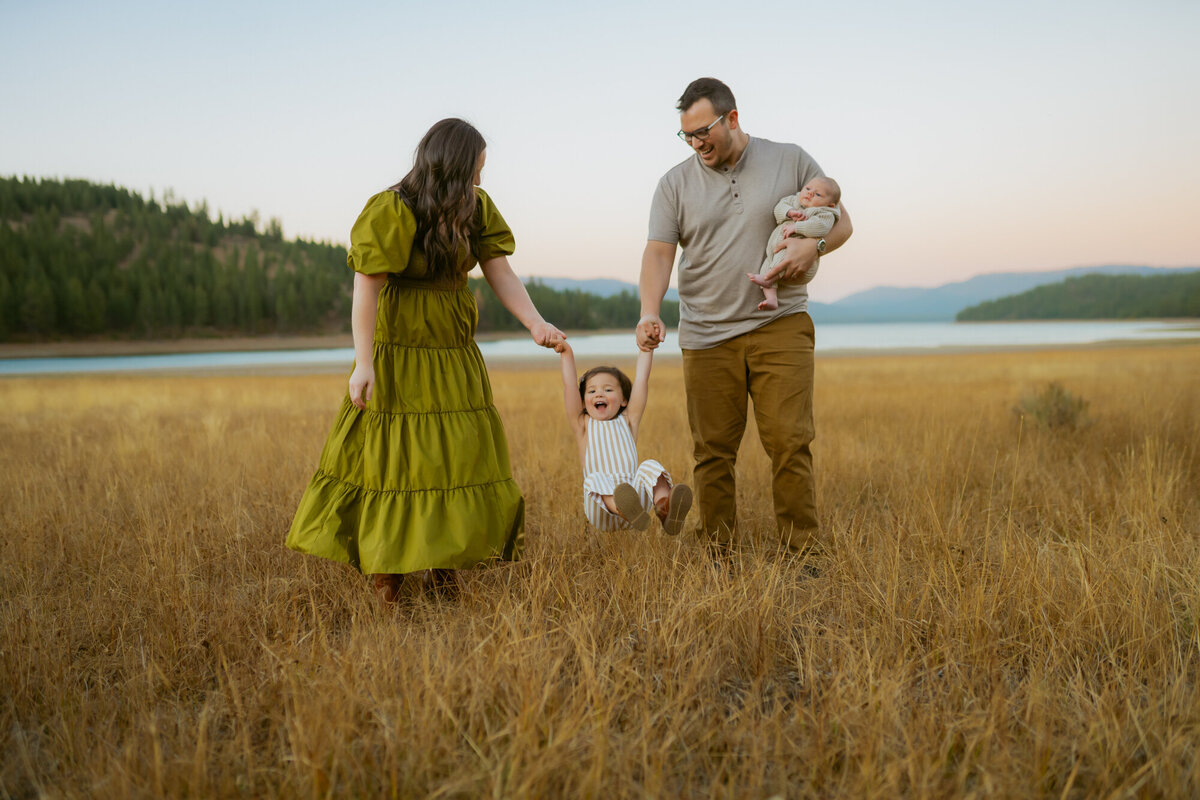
<point x="773" y="365"/>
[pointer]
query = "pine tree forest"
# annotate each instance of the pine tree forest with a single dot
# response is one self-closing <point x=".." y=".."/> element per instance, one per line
<point x="83" y="260"/>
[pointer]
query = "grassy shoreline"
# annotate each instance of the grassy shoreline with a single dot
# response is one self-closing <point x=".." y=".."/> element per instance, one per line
<point x="499" y="362"/>
<point x="329" y="341"/>
<point x="1002" y="610"/>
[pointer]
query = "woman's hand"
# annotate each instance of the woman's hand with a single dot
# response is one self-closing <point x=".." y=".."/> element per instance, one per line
<point x="362" y="384"/>
<point x="546" y="335"/>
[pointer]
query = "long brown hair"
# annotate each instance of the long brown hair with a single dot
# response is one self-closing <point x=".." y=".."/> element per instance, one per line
<point x="440" y="191"/>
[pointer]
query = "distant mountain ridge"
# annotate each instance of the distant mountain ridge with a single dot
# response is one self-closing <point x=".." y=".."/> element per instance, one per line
<point x="1098" y="296"/>
<point x="906" y="304"/>
<point x="604" y="287"/>
<point x="942" y="303"/>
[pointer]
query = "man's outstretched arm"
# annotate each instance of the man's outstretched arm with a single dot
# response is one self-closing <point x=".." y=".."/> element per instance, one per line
<point x="657" y="262"/>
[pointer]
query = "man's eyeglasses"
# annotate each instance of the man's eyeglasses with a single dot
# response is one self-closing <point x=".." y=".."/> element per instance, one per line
<point x="699" y="133"/>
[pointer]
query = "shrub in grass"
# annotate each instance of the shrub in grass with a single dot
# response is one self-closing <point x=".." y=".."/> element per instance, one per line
<point x="1054" y="407"/>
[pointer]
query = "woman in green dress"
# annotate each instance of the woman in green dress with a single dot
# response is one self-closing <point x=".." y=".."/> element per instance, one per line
<point x="415" y="476"/>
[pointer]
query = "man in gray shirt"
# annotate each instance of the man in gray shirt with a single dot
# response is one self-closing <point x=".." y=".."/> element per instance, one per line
<point x="718" y="206"/>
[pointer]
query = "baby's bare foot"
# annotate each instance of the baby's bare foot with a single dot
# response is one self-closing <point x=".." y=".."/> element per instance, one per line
<point x="759" y="280"/>
<point x="768" y="304"/>
<point x="662" y="507"/>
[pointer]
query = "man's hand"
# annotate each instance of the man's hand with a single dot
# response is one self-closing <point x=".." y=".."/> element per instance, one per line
<point x="801" y="255"/>
<point x="650" y="332"/>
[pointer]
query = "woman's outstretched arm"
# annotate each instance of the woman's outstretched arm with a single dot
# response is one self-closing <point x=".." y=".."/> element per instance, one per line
<point x="572" y="402"/>
<point x="512" y="295"/>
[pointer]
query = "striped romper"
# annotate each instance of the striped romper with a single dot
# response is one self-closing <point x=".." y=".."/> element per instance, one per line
<point x="611" y="459"/>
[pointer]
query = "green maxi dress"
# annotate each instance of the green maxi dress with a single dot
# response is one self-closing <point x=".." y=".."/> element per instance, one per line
<point x="421" y="478"/>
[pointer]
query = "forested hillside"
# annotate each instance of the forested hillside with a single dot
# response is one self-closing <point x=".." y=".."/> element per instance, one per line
<point x="1098" y="297"/>
<point x="78" y="259"/>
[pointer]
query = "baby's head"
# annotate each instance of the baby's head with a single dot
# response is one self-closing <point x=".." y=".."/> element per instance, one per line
<point x="605" y="392"/>
<point x="821" y="192"/>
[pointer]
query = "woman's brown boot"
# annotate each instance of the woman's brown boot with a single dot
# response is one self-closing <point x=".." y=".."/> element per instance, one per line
<point x="387" y="587"/>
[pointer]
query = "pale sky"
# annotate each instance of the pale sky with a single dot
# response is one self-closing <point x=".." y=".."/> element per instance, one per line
<point x="968" y="137"/>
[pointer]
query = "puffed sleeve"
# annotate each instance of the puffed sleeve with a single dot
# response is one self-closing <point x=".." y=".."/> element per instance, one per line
<point x="382" y="237"/>
<point x="495" y="237"/>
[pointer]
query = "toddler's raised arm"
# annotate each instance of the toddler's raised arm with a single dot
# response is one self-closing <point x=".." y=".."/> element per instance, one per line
<point x="640" y="392"/>
<point x="571" y="399"/>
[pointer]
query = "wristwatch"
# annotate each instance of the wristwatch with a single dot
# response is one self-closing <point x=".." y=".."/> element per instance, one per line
<point x="820" y="247"/>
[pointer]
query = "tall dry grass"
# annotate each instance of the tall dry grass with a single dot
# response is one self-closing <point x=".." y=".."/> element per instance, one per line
<point x="1004" y="610"/>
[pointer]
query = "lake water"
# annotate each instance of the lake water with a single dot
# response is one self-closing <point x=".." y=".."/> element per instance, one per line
<point x="831" y="340"/>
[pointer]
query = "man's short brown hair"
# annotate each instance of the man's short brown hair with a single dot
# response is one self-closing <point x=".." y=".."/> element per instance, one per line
<point x="717" y="93"/>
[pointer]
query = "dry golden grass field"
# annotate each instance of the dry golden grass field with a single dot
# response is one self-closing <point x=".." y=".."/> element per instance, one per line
<point x="1005" y="609"/>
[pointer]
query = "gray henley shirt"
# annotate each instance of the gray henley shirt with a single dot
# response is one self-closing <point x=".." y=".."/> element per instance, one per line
<point x="722" y="218"/>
